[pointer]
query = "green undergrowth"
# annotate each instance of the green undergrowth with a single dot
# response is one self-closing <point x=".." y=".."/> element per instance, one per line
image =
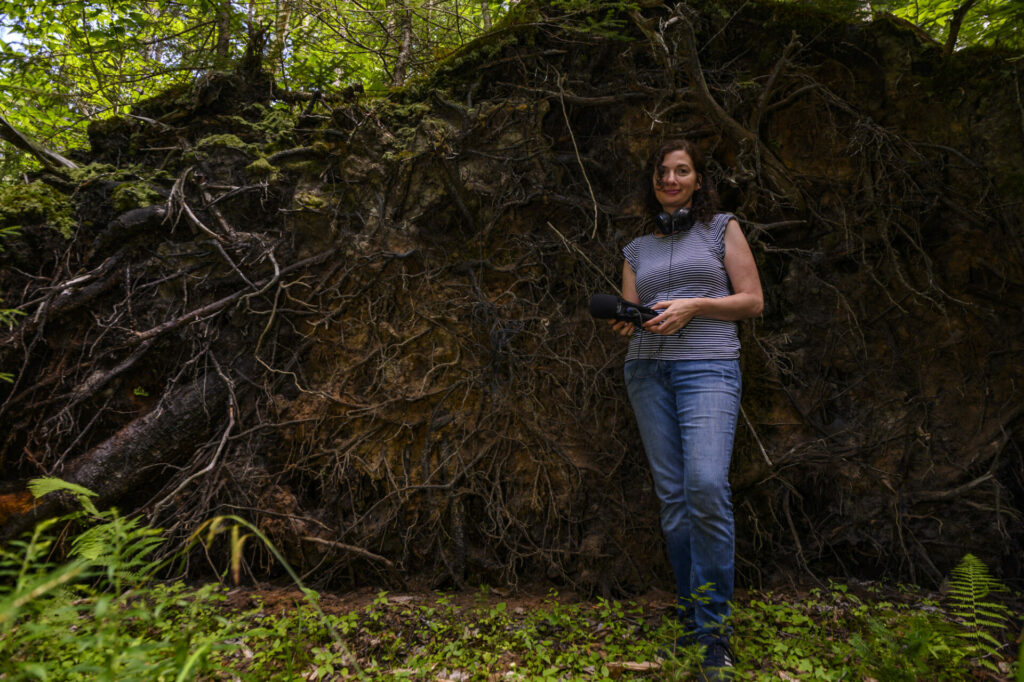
<point x="102" y="613"/>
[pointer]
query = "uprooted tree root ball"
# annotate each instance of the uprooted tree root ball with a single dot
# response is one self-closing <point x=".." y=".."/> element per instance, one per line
<point x="363" y="325"/>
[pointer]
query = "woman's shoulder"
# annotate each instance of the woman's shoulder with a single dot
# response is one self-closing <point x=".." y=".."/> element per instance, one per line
<point x="719" y="221"/>
<point x="714" y="236"/>
<point x="638" y="241"/>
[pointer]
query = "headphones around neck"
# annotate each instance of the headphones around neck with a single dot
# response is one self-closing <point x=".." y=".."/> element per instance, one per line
<point x="680" y="220"/>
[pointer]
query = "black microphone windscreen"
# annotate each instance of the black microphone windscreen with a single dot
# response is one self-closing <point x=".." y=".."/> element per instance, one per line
<point x="604" y="306"/>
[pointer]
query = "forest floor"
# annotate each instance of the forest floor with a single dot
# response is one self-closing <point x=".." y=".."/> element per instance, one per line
<point x="860" y="631"/>
<point x="105" y="615"/>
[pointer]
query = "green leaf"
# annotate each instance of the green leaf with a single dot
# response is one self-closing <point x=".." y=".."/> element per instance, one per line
<point x="43" y="486"/>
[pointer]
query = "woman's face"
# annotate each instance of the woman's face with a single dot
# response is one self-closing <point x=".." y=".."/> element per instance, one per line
<point x="675" y="181"/>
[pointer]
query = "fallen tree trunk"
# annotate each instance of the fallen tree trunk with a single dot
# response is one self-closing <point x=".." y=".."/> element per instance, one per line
<point x="50" y="159"/>
<point x="133" y="456"/>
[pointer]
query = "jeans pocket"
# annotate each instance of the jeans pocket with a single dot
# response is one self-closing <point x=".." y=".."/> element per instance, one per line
<point x="726" y="371"/>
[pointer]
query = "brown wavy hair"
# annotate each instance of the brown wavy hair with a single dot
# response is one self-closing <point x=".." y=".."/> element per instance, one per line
<point x="705" y="198"/>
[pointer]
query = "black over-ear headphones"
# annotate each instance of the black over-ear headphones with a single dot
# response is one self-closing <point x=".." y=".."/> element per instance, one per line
<point x="680" y="220"/>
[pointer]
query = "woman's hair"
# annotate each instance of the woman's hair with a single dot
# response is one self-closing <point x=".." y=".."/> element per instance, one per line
<point x="705" y="199"/>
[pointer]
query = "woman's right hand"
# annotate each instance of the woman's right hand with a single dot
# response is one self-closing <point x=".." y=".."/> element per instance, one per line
<point x="622" y="327"/>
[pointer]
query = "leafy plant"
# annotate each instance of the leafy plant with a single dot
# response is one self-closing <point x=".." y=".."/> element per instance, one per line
<point x="103" y="614"/>
<point x="908" y="647"/>
<point x="995" y="23"/>
<point x="65" y="64"/>
<point x="971" y="587"/>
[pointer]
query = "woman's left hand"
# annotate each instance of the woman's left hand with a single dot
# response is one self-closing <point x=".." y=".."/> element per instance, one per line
<point x="674" y="315"/>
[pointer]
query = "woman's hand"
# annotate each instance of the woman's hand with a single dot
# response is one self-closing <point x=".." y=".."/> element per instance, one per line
<point x="674" y="315"/>
<point x="621" y="327"/>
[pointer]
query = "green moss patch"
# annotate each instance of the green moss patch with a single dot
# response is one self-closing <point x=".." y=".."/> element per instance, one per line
<point x="129" y="195"/>
<point x="35" y="204"/>
<point x="225" y="140"/>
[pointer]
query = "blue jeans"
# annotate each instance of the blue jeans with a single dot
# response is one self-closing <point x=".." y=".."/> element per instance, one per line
<point x="686" y="411"/>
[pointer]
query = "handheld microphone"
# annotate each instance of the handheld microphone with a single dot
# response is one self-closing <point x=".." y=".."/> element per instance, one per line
<point x="609" y="307"/>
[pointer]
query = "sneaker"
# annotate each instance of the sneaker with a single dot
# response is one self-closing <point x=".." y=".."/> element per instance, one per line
<point x="717" y="663"/>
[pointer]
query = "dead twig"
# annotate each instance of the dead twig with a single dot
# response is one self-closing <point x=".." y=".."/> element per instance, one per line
<point x="572" y="136"/>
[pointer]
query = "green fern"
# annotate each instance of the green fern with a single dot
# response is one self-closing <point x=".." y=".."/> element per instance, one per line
<point x="969" y="599"/>
<point x="122" y="548"/>
<point x="22" y="558"/>
<point x="44" y="486"/>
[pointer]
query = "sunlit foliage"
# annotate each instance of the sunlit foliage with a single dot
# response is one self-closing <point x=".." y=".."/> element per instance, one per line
<point x="64" y="64"/>
<point x="997" y="23"/>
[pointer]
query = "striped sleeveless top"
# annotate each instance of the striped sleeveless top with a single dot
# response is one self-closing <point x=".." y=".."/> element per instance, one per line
<point x="688" y="264"/>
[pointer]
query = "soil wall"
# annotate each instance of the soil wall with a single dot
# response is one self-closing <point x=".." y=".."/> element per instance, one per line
<point x="385" y="302"/>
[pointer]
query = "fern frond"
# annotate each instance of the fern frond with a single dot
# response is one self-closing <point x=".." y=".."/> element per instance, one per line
<point x="970" y="603"/>
<point x="121" y="546"/>
<point x="44" y="486"/>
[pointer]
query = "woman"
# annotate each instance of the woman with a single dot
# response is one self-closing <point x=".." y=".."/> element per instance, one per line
<point x="682" y="374"/>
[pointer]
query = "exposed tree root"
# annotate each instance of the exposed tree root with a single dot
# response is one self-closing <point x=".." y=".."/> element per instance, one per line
<point x="368" y="333"/>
